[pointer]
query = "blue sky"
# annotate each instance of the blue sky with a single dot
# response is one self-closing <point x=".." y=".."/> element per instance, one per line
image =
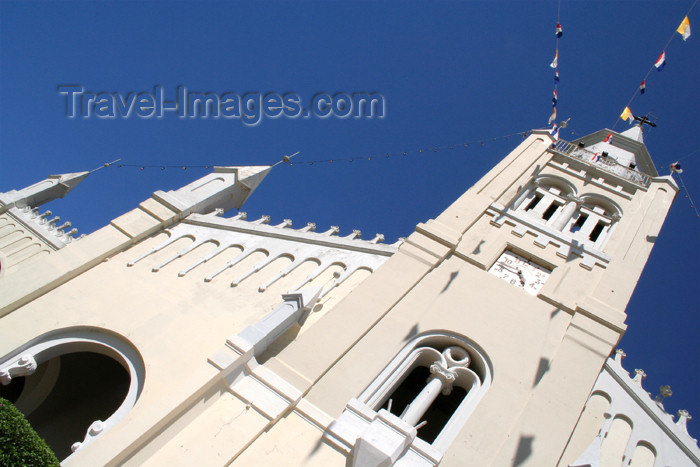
<point x="450" y="73"/>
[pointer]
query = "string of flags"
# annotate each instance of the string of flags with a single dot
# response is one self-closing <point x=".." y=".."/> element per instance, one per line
<point x="684" y="31"/>
<point x="555" y="65"/>
<point x="558" y="32"/>
<point x="378" y="156"/>
<point x="677" y="170"/>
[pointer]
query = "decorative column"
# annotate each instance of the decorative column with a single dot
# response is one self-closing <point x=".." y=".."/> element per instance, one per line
<point x="441" y="380"/>
<point x="524" y="195"/>
<point x="572" y="203"/>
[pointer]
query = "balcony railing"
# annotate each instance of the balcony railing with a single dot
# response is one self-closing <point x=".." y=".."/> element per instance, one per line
<point x="606" y="164"/>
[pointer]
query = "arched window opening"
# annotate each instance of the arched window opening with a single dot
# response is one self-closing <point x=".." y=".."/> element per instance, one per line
<point x="87" y="387"/>
<point x="434" y="383"/>
<point x="595" y="233"/>
<point x="549" y="212"/>
<point x="580" y="220"/>
<point x="72" y="385"/>
<point x="533" y="202"/>
<point x="594" y="221"/>
<point x="439" y="412"/>
<point x="546" y="200"/>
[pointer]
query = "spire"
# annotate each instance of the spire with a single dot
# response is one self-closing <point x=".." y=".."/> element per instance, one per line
<point x="55" y="186"/>
<point x="250" y="177"/>
<point x="225" y="188"/>
<point x="636" y="133"/>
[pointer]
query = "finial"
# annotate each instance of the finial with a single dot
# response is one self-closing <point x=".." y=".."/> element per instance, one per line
<point x="217" y="212"/>
<point x="332" y="231"/>
<point x="664" y="392"/>
<point x="241" y="216"/>
<point x="619" y="355"/>
<point x="683" y="417"/>
<point x="265" y="219"/>
<point x="377" y="238"/>
<point x="310" y="227"/>
<point x="639" y="375"/>
<point x="399" y="242"/>
<point x="285" y="223"/>
<point x="355" y="234"/>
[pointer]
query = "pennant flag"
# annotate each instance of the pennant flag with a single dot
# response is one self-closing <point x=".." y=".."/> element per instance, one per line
<point x="559" y="30"/>
<point x="556" y="60"/>
<point x="627" y="115"/>
<point x="684" y="28"/>
<point x="643" y="87"/>
<point x="608" y="138"/>
<point x="553" y="116"/>
<point x="554" y="132"/>
<point x="556" y="76"/>
<point x="676" y="167"/>
<point x="554" y="99"/>
<point x="661" y="62"/>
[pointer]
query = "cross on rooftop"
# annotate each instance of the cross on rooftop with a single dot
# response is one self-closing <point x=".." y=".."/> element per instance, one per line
<point x="644" y="119"/>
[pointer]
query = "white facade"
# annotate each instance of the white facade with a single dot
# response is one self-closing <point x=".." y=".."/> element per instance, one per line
<point x="219" y="340"/>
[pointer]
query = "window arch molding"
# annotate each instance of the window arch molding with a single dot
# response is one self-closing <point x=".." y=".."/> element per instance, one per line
<point x="594" y="220"/>
<point x="545" y="197"/>
<point x="610" y="206"/>
<point x="551" y="180"/>
<point x="424" y="350"/>
<point x="48" y="346"/>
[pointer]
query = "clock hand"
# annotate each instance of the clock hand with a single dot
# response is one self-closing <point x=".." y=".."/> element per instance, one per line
<point x="516" y="270"/>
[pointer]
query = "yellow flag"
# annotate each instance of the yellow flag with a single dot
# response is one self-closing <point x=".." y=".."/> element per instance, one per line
<point x="684" y="28"/>
<point x="555" y="62"/>
<point x="627" y="115"/>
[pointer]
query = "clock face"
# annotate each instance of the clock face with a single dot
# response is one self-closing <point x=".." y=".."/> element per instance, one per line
<point x="520" y="272"/>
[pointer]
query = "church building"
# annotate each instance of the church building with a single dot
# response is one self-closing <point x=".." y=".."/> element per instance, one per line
<point x="177" y="335"/>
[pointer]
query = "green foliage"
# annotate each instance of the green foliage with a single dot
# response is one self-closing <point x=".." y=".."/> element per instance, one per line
<point x="20" y="445"/>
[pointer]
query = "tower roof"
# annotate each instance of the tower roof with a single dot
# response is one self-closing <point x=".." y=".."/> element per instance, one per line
<point x="626" y="148"/>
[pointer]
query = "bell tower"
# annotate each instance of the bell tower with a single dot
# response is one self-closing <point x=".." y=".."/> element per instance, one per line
<point x="529" y="273"/>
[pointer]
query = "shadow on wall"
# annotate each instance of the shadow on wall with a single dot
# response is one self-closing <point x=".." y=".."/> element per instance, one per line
<point x="524" y="450"/>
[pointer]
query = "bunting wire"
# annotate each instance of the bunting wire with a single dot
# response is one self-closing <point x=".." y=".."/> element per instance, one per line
<point x="641" y="87"/>
<point x="378" y="156"/>
<point x="687" y="195"/>
<point x="107" y="164"/>
<point x="690" y="154"/>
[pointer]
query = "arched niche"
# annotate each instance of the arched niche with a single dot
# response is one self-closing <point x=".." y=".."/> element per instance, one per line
<point x="73" y="384"/>
<point x="404" y="379"/>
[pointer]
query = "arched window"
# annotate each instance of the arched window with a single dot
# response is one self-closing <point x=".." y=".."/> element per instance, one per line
<point x="416" y="406"/>
<point x="73" y="384"/>
<point x="545" y="199"/>
<point x="437" y="378"/>
<point x="593" y="221"/>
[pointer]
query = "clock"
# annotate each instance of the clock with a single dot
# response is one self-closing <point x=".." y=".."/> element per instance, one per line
<point x="520" y="272"/>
